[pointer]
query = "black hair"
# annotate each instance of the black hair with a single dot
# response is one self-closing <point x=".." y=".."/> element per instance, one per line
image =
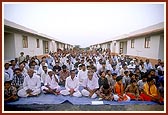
<point x="144" y="75"/>
<point x="72" y="70"/>
<point x="152" y="70"/>
<point x="100" y="73"/>
<point x="160" y="73"/>
<point x="88" y="66"/>
<point x="83" y="65"/>
<point x="133" y="80"/>
<point x="119" y="78"/>
<point x="12" y="61"/>
<point x="113" y="74"/>
<point x="123" y="65"/>
<point x="106" y="85"/>
<point x="125" y="72"/>
<point x="43" y="57"/>
<point x="131" y="74"/>
<point x="17" y="69"/>
<point x="107" y="71"/>
<point x="64" y="67"/>
<point x="9" y="82"/>
<point x="149" y="79"/>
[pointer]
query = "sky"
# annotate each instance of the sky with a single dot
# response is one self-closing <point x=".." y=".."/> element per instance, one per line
<point x="84" y="24"/>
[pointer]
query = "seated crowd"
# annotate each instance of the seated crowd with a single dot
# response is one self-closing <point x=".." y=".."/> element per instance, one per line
<point x="98" y="73"/>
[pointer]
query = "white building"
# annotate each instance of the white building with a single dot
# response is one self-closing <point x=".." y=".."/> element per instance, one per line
<point x="146" y="43"/>
<point x="21" y="39"/>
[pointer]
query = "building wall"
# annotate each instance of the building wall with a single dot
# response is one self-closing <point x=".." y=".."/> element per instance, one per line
<point x="32" y="45"/>
<point x="52" y="46"/>
<point x="9" y="46"/>
<point x="139" y="49"/>
<point x="103" y="46"/>
<point x="117" y="48"/>
<point x="161" y="48"/>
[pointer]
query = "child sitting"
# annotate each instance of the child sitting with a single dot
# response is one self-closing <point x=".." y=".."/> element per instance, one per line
<point x="132" y="90"/>
<point x="10" y="92"/>
<point x="106" y="92"/>
<point x="119" y="91"/>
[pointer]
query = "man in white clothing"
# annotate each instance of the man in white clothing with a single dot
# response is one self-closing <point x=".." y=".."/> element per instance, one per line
<point x="82" y="75"/>
<point x="90" y="86"/>
<point x="132" y="66"/>
<point x="51" y="84"/>
<point x="148" y="65"/>
<point x="8" y="71"/>
<point x="31" y="85"/>
<point x="71" y="85"/>
<point x="44" y="75"/>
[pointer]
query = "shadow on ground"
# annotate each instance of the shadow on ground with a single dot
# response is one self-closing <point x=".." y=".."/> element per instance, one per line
<point x="69" y="107"/>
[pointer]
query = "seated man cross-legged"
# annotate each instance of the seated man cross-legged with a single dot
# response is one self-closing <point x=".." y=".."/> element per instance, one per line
<point x="71" y="85"/>
<point x="51" y="84"/>
<point x="90" y="85"/>
<point x="31" y="85"/>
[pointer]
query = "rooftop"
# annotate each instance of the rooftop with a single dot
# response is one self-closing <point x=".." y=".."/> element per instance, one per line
<point x="25" y="29"/>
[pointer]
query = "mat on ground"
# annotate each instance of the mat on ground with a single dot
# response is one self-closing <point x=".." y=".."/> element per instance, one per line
<point x="52" y="99"/>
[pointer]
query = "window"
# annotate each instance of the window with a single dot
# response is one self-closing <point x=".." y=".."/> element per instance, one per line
<point x="147" y="42"/>
<point x="108" y="46"/>
<point x="25" y="41"/>
<point x="38" y="44"/>
<point x="114" y="44"/>
<point x="121" y="47"/>
<point x="132" y="43"/>
<point x="46" y="46"/>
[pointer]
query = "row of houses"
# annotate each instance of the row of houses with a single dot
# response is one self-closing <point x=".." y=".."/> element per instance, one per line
<point x="144" y="43"/>
<point x="18" y="39"/>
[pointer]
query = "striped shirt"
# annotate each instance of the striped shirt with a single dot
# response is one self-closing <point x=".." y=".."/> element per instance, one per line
<point x="18" y="80"/>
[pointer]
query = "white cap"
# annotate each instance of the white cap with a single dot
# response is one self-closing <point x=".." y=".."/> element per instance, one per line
<point x="49" y="70"/>
<point x="131" y="61"/>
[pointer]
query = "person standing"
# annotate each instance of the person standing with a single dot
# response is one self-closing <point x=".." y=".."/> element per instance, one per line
<point x="21" y="57"/>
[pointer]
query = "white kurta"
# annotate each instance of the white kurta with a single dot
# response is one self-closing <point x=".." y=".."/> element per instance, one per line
<point x="82" y="75"/>
<point x="51" y="82"/>
<point x="9" y="71"/>
<point x="90" y="84"/>
<point x="30" y="83"/>
<point x="71" y="83"/>
<point x="43" y="77"/>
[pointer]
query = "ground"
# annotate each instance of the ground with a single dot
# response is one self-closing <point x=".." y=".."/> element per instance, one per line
<point x="66" y="106"/>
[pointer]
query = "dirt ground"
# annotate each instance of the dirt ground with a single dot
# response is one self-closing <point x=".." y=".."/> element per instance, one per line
<point x="69" y="107"/>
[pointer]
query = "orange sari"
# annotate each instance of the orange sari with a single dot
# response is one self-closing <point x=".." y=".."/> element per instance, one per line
<point x="119" y="90"/>
<point x="150" y="93"/>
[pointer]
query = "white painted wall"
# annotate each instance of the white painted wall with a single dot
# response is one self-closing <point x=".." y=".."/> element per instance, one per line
<point x="161" y="48"/>
<point x="113" y="47"/>
<point x="139" y="49"/>
<point x="61" y="46"/>
<point x="52" y="46"/>
<point x="9" y="46"/>
<point x="103" y="46"/>
<point x="117" y="47"/>
<point x="125" y="47"/>
<point x="32" y="49"/>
